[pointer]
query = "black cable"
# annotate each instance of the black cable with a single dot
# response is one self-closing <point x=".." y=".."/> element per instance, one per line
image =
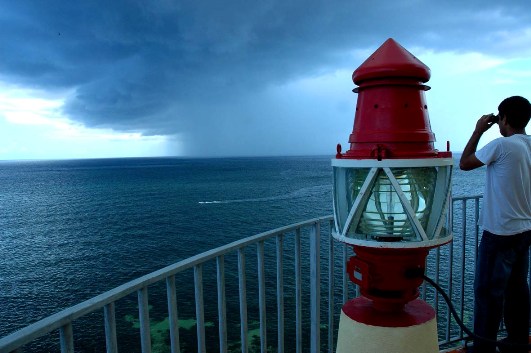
<point x="462" y="324"/>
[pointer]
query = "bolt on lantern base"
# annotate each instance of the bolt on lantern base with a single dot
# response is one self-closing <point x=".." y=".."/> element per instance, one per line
<point x="363" y="329"/>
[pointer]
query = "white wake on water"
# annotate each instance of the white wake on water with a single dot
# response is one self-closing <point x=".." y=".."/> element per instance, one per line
<point x="304" y="192"/>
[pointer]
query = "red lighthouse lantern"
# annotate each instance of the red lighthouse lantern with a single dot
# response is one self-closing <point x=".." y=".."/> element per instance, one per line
<point x="391" y="203"/>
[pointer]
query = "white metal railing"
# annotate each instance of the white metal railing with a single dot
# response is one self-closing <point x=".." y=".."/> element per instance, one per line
<point x="452" y="266"/>
<point x="288" y="265"/>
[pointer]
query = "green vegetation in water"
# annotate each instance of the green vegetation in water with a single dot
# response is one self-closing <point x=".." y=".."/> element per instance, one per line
<point x="253" y="340"/>
<point x="160" y="330"/>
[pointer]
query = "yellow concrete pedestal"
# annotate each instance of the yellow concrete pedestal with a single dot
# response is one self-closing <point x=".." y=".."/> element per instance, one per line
<point x="357" y="337"/>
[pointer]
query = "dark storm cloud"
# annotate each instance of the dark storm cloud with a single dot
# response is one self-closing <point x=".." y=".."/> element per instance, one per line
<point x="162" y="66"/>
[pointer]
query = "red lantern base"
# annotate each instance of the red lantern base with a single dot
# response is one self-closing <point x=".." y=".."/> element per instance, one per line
<point x="388" y="277"/>
<point x="362" y="310"/>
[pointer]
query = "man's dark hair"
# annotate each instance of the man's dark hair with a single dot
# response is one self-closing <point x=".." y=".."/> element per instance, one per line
<point x="517" y="110"/>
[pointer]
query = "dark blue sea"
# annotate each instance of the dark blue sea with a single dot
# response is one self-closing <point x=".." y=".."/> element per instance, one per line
<point x="72" y="229"/>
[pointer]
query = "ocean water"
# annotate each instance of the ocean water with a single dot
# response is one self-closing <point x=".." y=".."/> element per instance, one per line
<point x="70" y="230"/>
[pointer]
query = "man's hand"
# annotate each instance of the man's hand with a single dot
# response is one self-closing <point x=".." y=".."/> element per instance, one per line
<point x="469" y="160"/>
<point x="484" y="123"/>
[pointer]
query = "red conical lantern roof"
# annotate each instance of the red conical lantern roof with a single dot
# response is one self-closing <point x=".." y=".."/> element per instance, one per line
<point x="391" y="119"/>
<point x="391" y="60"/>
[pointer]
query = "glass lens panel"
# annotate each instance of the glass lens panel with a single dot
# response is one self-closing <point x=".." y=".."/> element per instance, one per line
<point x="440" y="220"/>
<point x="385" y="218"/>
<point x="340" y="202"/>
<point x="347" y="185"/>
<point x="418" y="184"/>
<point x="382" y="216"/>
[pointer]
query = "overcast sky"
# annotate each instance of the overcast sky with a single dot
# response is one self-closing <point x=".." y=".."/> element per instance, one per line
<point x="83" y="79"/>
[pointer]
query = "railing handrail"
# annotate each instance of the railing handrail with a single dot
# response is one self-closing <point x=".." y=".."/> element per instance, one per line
<point x="63" y="317"/>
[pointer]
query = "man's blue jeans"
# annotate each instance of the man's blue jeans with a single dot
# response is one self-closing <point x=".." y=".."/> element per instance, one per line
<point x="501" y="289"/>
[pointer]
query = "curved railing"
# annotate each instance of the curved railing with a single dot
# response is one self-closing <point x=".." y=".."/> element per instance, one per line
<point x="295" y="306"/>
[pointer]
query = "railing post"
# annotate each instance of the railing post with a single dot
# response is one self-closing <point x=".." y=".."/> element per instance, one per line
<point x="173" y="317"/>
<point x="298" y="293"/>
<point x="462" y="275"/>
<point x="450" y="286"/>
<point x="66" y="335"/>
<point x="262" y="297"/>
<point x="331" y="285"/>
<point x="143" y="316"/>
<point x="222" y="307"/>
<point x="110" y="328"/>
<point x="344" y="282"/>
<point x="280" y="292"/>
<point x="315" y="298"/>
<point x="437" y="276"/>
<point x="199" y="308"/>
<point x="243" y="300"/>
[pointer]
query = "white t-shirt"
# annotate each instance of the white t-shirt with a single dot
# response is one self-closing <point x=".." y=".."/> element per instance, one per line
<point x="507" y="198"/>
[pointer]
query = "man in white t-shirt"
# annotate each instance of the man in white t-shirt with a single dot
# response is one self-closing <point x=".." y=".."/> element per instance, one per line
<point x="500" y="285"/>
